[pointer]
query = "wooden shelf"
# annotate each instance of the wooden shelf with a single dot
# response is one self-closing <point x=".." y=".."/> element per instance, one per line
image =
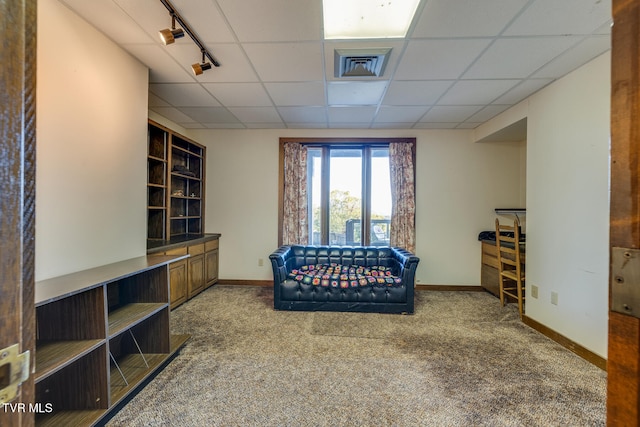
<point x="51" y="356"/>
<point x="179" y="175"/>
<point x="69" y="418"/>
<point x="159" y="159"/>
<point x="187" y="151"/>
<point x="130" y="315"/>
<point x="135" y="371"/>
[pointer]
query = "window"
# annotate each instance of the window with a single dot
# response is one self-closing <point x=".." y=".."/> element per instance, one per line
<point x="349" y="186"/>
<point x="342" y="192"/>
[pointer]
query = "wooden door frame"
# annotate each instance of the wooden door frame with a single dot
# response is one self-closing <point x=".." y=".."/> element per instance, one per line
<point x="623" y="364"/>
<point x="17" y="191"/>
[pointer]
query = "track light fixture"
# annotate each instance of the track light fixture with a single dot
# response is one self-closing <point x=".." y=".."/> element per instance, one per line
<point x="168" y="36"/>
<point x="177" y="33"/>
<point x="202" y="67"/>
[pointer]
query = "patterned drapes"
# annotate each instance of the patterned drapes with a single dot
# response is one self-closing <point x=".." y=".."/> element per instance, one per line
<point x="402" y="195"/>
<point x="295" y="229"/>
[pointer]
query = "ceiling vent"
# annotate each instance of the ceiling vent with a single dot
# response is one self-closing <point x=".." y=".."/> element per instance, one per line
<point x="360" y="62"/>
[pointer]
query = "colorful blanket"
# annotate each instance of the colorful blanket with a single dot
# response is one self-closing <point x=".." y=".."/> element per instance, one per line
<point x="340" y="276"/>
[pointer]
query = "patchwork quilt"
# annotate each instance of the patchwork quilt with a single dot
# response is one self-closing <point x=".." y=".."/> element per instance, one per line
<point x="340" y="276"/>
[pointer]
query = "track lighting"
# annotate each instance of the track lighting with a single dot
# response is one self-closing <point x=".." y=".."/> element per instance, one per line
<point x="202" y="67"/>
<point x="169" y="36"/>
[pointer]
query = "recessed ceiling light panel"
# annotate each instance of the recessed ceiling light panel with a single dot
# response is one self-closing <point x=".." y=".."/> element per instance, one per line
<point x="368" y="19"/>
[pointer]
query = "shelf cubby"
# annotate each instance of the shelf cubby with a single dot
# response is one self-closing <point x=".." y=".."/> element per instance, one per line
<point x="67" y="329"/>
<point x="78" y="394"/>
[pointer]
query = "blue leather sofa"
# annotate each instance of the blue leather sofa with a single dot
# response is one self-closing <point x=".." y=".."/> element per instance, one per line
<point x="292" y="292"/>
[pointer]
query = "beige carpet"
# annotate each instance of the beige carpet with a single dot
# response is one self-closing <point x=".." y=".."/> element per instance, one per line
<point x="461" y="360"/>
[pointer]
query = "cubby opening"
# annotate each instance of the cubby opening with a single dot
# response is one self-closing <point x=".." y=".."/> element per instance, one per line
<point x="68" y="328"/>
<point x="136" y="352"/>
<point x="132" y="299"/>
<point x="78" y="394"/>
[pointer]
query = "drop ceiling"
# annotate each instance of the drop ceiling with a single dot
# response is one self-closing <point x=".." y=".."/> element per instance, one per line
<point x="462" y="62"/>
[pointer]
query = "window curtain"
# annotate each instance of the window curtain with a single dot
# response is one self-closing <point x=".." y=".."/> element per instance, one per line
<point x="402" y="195"/>
<point x="295" y="229"/>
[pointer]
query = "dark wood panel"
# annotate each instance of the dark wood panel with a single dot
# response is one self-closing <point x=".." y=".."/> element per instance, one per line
<point x="81" y="385"/>
<point x="79" y="318"/>
<point x="623" y="396"/>
<point x="17" y="180"/>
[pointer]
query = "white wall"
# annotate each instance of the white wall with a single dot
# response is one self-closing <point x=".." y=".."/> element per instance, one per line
<point x="568" y="204"/>
<point x="91" y="147"/>
<point x="458" y="184"/>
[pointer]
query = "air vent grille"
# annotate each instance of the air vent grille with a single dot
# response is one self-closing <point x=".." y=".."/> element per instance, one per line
<point x="360" y="62"/>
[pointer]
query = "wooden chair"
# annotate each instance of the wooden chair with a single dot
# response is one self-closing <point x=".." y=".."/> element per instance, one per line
<point x="511" y="273"/>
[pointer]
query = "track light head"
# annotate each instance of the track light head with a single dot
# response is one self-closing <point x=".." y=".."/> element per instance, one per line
<point x="168" y="36"/>
<point x="200" y="68"/>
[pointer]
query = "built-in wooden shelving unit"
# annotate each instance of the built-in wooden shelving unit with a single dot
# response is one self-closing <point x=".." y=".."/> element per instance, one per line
<point x="100" y="333"/>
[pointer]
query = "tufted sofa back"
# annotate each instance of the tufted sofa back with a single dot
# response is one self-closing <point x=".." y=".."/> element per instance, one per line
<point x="286" y="258"/>
<point x="344" y="255"/>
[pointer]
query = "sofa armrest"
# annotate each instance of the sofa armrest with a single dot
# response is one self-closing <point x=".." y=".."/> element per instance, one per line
<point x="408" y="264"/>
<point x="279" y="263"/>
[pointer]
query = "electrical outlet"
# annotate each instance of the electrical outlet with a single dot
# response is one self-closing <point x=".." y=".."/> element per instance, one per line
<point x="554" y="298"/>
<point x="534" y="291"/>
<point x="260" y="262"/>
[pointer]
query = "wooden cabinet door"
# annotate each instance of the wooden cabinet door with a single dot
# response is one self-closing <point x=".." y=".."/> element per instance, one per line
<point x="178" y="282"/>
<point x="211" y="263"/>
<point x="196" y="274"/>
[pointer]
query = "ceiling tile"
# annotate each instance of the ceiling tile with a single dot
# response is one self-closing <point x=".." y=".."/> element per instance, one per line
<point x="162" y="67"/>
<point x="113" y="21"/>
<point x="307" y="125"/>
<point x="256" y="114"/>
<point x="400" y="114"/>
<point x="274" y="125"/>
<point x="522" y="90"/>
<point x="351" y="114"/>
<point x="466" y="18"/>
<point x="436" y="125"/>
<point x="487" y="113"/>
<point x="451" y="114"/>
<point x="154" y="101"/>
<point x="274" y="20"/>
<point x="173" y="114"/>
<point x="416" y="92"/>
<point x="291" y="94"/>
<point x="468" y="125"/>
<point x="356" y="93"/>
<point x="438" y="59"/>
<point x="184" y="94"/>
<point x="576" y="56"/>
<point x="234" y="66"/>
<point x="476" y="92"/>
<point x="210" y="114"/>
<point x="518" y="57"/>
<point x="239" y="94"/>
<point x="237" y="125"/>
<point x="392" y="125"/>
<point x="303" y="114"/>
<point x="286" y="62"/>
<point x="549" y="17"/>
<point x="205" y="20"/>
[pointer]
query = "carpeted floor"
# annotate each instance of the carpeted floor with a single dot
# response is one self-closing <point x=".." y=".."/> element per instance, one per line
<point x="460" y="360"/>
